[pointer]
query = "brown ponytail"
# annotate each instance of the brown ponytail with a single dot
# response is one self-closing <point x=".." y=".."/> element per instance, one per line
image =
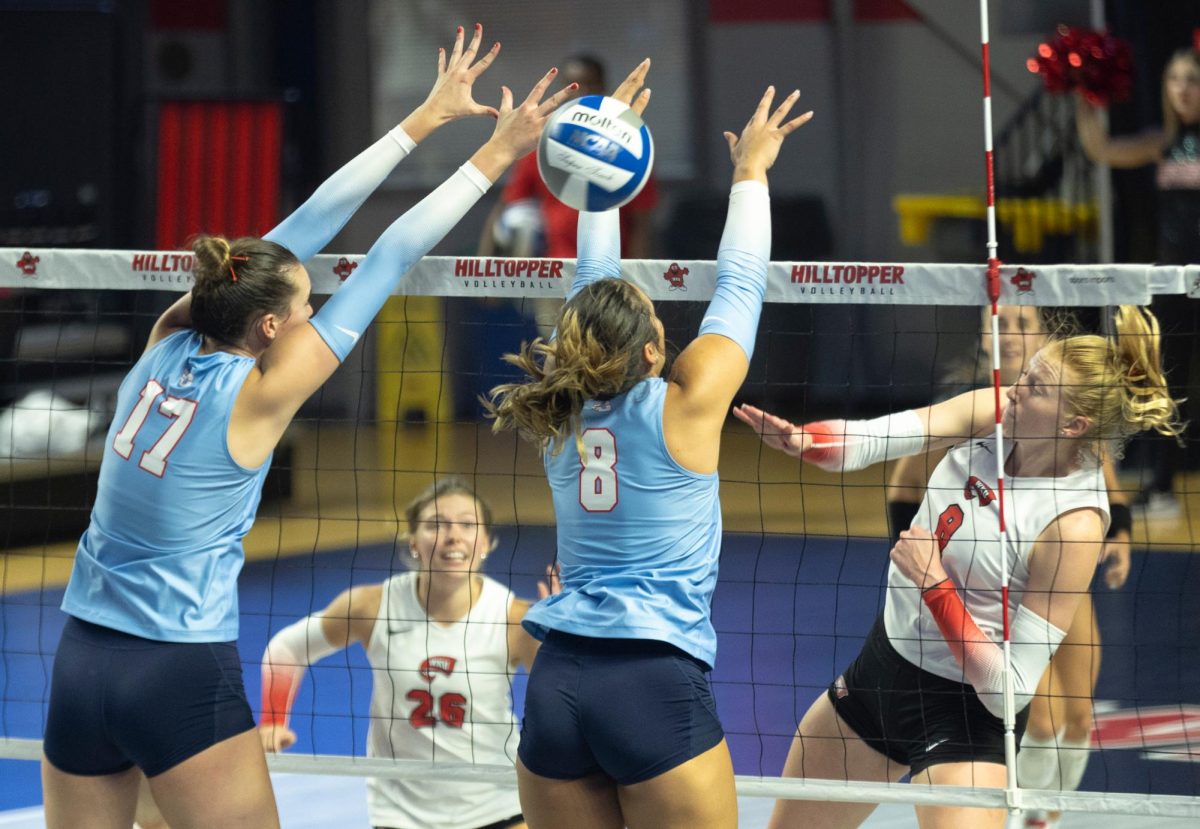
<point x="596" y="355"/>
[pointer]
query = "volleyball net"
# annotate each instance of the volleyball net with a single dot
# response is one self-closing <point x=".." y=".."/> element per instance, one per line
<point x="804" y="562"/>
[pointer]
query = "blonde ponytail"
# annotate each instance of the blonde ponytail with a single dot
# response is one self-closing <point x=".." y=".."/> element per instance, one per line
<point x="1118" y="384"/>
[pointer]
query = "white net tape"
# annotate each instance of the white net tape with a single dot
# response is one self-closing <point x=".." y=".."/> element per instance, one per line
<point x="879" y="284"/>
<point x="859" y="283"/>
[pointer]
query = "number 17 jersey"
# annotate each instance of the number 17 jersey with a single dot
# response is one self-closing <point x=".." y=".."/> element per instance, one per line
<point x="638" y="534"/>
<point x="162" y="553"/>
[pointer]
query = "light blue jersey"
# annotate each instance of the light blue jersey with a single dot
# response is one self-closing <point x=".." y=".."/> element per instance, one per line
<point x="638" y="534"/>
<point x="161" y="557"/>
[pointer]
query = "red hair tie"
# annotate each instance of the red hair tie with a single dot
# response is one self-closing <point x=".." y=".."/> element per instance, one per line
<point x="231" y="261"/>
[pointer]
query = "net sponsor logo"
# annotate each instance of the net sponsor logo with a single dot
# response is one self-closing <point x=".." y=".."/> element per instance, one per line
<point x="344" y="268"/>
<point x="674" y="276"/>
<point x="443" y="665"/>
<point x="169" y="268"/>
<point x="28" y="263"/>
<point x="1023" y="280"/>
<point x="975" y="487"/>
<point x="848" y="280"/>
<point x="532" y="274"/>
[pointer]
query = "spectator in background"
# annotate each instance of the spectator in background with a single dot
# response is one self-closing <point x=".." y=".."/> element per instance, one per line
<point x="1175" y="150"/>
<point x="530" y="221"/>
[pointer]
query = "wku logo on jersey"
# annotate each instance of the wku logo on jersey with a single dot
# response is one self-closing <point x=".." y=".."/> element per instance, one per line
<point x="1164" y="732"/>
<point x="437" y="664"/>
<point x="977" y="487"/>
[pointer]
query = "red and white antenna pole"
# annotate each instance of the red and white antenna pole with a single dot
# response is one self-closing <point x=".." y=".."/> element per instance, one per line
<point x="993" y="290"/>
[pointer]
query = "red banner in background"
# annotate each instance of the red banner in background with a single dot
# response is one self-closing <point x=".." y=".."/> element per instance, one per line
<point x="218" y="169"/>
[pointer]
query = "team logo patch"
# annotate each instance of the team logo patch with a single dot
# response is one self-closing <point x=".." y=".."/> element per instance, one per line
<point x="344" y="268"/>
<point x="1023" y="280"/>
<point x="674" y="275"/>
<point x="839" y="688"/>
<point x="977" y="487"/>
<point x="437" y="664"/>
<point x="28" y="264"/>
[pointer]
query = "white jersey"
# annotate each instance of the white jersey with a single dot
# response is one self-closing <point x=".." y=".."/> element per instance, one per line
<point x="961" y="508"/>
<point x="441" y="693"/>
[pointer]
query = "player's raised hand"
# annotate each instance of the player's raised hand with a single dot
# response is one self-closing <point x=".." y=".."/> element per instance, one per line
<point x="755" y="150"/>
<point x="775" y="432"/>
<point x="520" y="125"/>
<point x="630" y="90"/>
<point x="452" y="94"/>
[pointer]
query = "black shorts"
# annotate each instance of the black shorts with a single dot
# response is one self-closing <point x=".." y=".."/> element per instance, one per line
<point x="916" y="718"/>
<point x="629" y="708"/>
<point x="118" y="701"/>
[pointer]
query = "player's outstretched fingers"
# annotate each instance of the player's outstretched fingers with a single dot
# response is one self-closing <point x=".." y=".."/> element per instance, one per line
<point x="641" y="101"/>
<point x="632" y="83"/>
<point x="539" y="88"/>
<point x="557" y="99"/>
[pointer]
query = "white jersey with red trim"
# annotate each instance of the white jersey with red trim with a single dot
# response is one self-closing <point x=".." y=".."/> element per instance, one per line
<point x="961" y="508"/>
<point x="441" y="692"/>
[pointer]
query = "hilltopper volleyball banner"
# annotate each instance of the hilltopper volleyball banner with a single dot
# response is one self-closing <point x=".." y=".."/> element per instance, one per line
<point x="860" y="283"/>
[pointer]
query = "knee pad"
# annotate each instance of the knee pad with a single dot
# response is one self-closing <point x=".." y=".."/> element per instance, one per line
<point x="1072" y="761"/>
<point x="1038" y="763"/>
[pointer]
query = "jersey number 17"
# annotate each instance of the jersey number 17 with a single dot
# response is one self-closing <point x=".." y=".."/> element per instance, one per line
<point x="179" y="409"/>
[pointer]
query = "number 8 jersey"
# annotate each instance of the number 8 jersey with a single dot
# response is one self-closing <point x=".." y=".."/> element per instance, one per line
<point x="162" y="553"/>
<point x="961" y="508"/>
<point x="638" y="534"/>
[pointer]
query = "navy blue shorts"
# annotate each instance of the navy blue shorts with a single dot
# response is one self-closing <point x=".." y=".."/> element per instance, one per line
<point x="629" y="708"/>
<point x="118" y="701"/>
<point x="916" y="718"/>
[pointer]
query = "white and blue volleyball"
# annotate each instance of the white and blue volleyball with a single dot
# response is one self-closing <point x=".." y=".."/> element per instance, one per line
<point x="595" y="153"/>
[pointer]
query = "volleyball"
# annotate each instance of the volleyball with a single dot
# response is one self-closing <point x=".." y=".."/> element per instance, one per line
<point x="595" y="153"/>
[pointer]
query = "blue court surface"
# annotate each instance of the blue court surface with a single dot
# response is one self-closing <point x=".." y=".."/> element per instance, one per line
<point x="791" y="612"/>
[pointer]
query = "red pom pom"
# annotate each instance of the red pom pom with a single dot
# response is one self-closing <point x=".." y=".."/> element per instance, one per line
<point x="1097" y="64"/>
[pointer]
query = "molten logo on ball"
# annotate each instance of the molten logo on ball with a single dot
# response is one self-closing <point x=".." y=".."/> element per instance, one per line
<point x="595" y="153"/>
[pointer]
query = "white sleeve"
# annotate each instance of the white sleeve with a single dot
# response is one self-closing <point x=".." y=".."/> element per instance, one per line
<point x="314" y="224"/>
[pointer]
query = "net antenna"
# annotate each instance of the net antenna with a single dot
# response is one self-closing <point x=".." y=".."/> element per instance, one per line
<point x="1013" y="796"/>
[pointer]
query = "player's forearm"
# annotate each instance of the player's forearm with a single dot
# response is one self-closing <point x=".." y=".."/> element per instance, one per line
<point x="314" y="224"/>
<point x="344" y="318"/>
<point x="1033" y="641"/>
<point x="599" y="249"/>
<point x="284" y="662"/>
<point x="742" y="261"/>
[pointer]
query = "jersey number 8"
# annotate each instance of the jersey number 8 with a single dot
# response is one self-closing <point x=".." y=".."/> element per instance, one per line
<point x="598" y="471"/>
